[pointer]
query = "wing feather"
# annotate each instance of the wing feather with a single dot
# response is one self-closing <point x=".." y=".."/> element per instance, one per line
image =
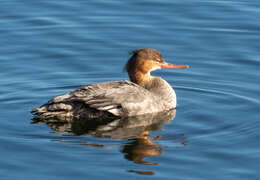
<point x="118" y="97"/>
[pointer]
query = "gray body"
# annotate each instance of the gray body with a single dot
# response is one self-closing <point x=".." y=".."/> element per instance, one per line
<point x="109" y="99"/>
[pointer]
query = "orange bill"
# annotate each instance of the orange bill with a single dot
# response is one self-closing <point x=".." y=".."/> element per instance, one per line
<point x="175" y="66"/>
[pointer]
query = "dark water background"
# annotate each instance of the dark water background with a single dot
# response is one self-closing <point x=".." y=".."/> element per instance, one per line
<point x="51" y="47"/>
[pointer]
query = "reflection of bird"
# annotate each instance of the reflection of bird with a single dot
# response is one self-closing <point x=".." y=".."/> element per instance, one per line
<point x="141" y="147"/>
<point x="145" y="94"/>
<point x="138" y="149"/>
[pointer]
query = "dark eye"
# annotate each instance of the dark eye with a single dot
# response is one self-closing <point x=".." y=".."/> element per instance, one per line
<point x="158" y="59"/>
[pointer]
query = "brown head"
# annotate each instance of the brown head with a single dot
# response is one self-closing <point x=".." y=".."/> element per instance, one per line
<point x="143" y="61"/>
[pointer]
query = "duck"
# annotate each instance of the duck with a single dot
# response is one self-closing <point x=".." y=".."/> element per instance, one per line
<point x="141" y="95"/>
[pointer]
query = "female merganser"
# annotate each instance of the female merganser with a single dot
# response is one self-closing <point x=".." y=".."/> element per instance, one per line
<point x="144" y="94"/>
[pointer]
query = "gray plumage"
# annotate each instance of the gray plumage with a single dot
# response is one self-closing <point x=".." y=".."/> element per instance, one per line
<point x="108" y="99"/>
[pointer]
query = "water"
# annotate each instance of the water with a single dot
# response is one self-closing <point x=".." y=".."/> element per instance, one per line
<point x="49" y="48"/>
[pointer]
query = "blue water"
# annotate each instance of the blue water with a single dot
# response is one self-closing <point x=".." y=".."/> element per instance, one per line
<point x="52" y="47"/>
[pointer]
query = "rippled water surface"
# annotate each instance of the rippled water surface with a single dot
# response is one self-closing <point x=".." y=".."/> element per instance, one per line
<point x="52" y="47"/>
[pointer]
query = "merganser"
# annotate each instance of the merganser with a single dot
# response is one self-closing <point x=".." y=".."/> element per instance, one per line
<point x="144" y="94"/>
